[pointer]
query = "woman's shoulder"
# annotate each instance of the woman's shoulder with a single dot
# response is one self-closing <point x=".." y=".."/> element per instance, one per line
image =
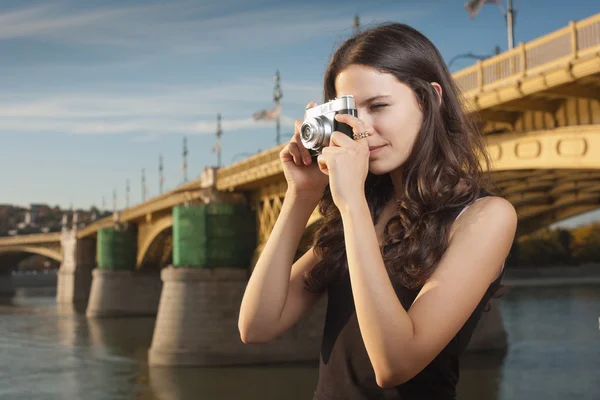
<point x="488" y="211"/>
<point x="494" y="204"/>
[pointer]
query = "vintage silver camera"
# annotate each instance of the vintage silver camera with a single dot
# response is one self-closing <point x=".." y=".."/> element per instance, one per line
<point x="319" y="123"/>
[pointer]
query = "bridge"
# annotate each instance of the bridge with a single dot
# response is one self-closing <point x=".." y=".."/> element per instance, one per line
<point x="537" y="104"/>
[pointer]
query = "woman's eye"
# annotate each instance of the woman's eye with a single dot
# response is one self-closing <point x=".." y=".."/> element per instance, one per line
<point x="378" y="106"/>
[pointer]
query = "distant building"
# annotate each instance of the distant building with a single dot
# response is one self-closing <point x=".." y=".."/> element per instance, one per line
<point x="33" y="211"/>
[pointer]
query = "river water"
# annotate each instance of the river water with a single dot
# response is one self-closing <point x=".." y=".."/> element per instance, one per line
<point x="50" y="353"/>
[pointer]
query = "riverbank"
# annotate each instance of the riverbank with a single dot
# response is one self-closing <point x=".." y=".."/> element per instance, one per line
<point x="521" y="276"/>
<point x="552" y="276"/>
<point x="38" y="279"/>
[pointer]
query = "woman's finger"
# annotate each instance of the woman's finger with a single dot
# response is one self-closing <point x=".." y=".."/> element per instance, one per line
<point x="295" y="152"/>
<point x="334" y="150"/>
<point x="303" y="150"/>
<point x="305" y="153"/>
<point x="359" y="130"/>
<point x="338" y="139"/>
<point x="356" y="123"/>
<point x="322" y="163"/>
<point x="310" y="105"/>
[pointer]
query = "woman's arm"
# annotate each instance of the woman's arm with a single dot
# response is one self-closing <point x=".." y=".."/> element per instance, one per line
<point x="399" y="343"/>
<point x="275" y="297"/>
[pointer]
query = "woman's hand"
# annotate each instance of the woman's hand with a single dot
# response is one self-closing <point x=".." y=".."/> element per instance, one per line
<point x="346" y="162"/>
<point x="301" y="172"/>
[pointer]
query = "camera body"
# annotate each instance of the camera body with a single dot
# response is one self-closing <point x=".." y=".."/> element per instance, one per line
<point x="320" y="123"/>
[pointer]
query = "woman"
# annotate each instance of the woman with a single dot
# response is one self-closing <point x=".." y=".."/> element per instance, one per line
<point x="412" y="246"/>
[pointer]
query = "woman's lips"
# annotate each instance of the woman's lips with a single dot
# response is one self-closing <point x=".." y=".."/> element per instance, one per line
<point x="375" y="149"/>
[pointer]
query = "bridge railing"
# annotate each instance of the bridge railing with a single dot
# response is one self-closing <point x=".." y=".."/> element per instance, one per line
<point x="252" y="168"/>
<point x="577" y="40"/>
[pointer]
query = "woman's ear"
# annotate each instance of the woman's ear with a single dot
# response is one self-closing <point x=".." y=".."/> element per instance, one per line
<point x="438" y="89"/>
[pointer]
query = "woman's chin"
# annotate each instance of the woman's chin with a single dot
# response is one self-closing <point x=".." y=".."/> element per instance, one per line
<point x="380" y="167"/>
<point x="376" y="168"/>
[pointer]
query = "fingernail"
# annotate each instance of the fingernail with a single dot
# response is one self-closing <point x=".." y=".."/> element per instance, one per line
<point x="306" y="160"/>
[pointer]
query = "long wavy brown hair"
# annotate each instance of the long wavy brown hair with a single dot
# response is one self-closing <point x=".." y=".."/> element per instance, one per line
<point x="446" y="170"/>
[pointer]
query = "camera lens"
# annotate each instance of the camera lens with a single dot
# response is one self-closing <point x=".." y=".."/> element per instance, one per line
<point x="315" y="132"/>
<point x="306" y="132"/>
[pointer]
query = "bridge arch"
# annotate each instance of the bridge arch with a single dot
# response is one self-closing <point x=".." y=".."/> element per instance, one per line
<point x="157" y="238"/>
<point x="52" y="254"/>
<point x="547" y="218"/>
<point x="543" y="197"/>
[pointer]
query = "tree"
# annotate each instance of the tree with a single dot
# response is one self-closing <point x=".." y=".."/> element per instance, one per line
<point x="548" y="247"/>
<point x="585" y="245"/>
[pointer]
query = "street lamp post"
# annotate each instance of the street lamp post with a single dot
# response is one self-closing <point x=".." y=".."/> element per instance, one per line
<point x="143" y="184"/>
<point x="510" y="23"/>
<point x="160" y="174"/>
<point x="184" y="165"/>
<point x="277" y="95"/>
<point x="473" y="7"/>
<point x="217" y="147"/>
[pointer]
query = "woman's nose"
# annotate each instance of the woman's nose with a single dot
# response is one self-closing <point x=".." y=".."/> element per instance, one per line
<point x="364" y="116"/>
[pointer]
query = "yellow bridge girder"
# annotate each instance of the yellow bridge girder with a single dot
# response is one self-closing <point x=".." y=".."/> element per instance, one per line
<point x="45" y="244"/>
<point x="40" y="250"/>
<point x="566" y="147"/>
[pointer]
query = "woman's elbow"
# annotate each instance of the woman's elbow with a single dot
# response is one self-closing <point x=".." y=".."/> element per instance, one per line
<point x="393" y="377"/>
<point x="251" y="339"/>
<point x="250" y="336"/>
<point x="391" y="381"/>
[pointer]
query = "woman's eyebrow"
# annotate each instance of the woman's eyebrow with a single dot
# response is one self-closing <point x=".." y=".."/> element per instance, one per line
<point x="372" y="99"/>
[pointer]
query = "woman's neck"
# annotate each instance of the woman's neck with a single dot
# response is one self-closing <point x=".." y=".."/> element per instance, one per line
<point x="396" y="177"/>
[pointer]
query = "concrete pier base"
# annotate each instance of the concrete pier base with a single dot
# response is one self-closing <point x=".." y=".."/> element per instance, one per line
<point x="73" y="286"/>
<point x="123" y="293"/>
<point x="197" y="323"/>
<point x="74" y="277"/>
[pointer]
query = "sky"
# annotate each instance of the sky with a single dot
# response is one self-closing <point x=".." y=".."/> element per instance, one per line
<point x="93" y="92"/>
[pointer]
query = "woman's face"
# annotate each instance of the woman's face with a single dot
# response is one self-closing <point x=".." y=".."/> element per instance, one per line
<point x="390" y="111"/>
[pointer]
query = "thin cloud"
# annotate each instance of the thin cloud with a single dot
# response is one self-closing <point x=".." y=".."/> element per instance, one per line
<point x="162" y="110"/>
<point x="154" y="100"/>
<point x="39" y="21"/>
<point x="179" y="27"/>
<point x="158" y="127"/>
<point x="157" y="30"/>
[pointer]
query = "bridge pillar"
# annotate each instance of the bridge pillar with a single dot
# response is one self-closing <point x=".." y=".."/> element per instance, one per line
<point x="197" y="318"/>
<point x="117" y="289"/>
<point x="75" y="273"/>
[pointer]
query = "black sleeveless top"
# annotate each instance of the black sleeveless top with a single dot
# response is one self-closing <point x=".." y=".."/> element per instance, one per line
<point x="346" y="372"/>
